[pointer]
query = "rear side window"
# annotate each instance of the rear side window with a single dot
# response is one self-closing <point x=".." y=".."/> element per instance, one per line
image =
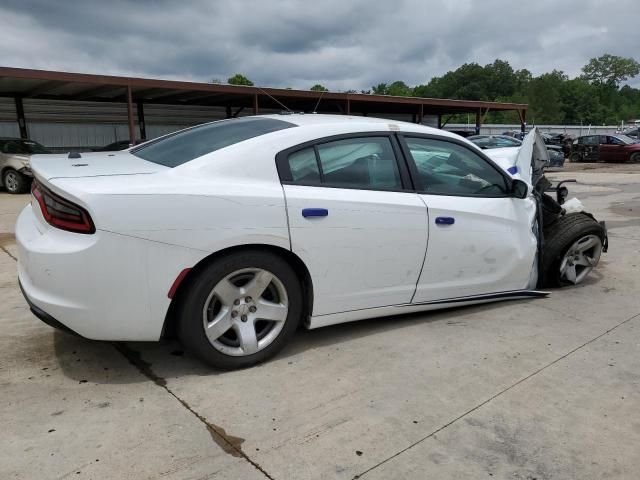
<point x="364" y="162"/>
<point x="186" y="145"/>
<point x="304" y="166"/>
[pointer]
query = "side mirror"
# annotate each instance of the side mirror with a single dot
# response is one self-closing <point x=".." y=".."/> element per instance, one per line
<point x="519" y="189"/>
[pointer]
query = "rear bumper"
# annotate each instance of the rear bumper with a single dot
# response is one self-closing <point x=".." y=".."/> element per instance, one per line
<point x="93" y="285"/>
<point x="44" y="316"/>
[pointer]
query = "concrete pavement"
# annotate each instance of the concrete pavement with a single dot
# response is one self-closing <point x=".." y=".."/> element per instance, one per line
<point x="538" y="389"/>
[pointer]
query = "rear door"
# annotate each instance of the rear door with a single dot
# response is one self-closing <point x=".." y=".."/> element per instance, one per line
<point x="355" y="221"/>
<point x="480" y="237"/>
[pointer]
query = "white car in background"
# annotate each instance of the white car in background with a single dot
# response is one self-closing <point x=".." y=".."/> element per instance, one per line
<point x="236" y="232"/>
<point x="15" y="172"/>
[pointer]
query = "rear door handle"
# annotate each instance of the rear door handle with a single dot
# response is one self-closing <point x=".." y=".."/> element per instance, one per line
<point x="445" y="220"/>
<point x="314" y="212"/>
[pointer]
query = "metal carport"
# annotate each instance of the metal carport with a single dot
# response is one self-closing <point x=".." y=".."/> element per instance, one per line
<point x="21" y="84"/>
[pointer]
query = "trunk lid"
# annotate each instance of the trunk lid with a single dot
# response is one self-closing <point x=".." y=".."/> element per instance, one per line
<point x="93" y="164"/>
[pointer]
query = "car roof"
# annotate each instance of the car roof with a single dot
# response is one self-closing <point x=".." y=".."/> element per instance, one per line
<point x="356" y="122"/>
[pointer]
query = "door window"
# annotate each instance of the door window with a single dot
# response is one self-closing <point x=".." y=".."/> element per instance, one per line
<point x="365" y="162"/>
<point x="304" y="166"/>
<point x="445" y="168"/>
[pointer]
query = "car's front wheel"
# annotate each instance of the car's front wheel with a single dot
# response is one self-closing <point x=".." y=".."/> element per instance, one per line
<point x="241" y="310"/>
<point x="572" y="249"/>
<point x="575" y="157"/>
<point x="15" y="182"/>
<point x="635" y="158"/>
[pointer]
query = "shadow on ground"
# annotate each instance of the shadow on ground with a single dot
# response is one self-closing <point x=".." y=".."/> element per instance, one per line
<point x="110" y="362"/>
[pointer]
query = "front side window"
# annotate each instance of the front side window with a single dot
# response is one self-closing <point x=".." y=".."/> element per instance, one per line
<point x="366" y="163"/>
<point x="186" y="145"/>
<point x="445" y="168"/>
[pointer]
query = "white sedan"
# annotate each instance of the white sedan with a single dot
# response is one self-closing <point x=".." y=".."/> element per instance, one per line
<point x="233" y="233"/>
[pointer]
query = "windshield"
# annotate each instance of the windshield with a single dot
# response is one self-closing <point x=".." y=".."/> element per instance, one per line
<point x="185" y="145"/>
<point x="22" y="147"/>
<point x="624" y="139"/>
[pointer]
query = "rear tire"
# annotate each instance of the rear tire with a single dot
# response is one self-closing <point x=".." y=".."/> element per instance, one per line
<point x="572" y="249"/>
<point x="15" y="182"/>
<point x="575" y="157"/>
<point x="223" y="314"/>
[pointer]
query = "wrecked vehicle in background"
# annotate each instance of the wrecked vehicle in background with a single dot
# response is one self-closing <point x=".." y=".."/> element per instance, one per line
<point x="233" y="233"/>
<point x="15" y="171"/>
<point x="571" y="240"/>
<point x="605" y="148"/>
<point x="556" y="155"/>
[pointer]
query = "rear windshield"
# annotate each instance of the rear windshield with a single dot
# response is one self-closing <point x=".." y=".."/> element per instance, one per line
<point x="186" y="145"/>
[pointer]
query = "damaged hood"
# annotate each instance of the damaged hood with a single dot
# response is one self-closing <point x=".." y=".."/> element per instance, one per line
<point x="526" y="162"/>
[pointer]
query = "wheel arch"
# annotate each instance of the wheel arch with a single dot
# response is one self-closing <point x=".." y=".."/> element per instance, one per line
<point x="299" y="267"/>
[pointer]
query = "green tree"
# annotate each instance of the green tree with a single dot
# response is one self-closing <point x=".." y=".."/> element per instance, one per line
<point x="380" y="89"/>
<point x="610" y="70"/>
<point x="239" y="79"/>
<point x="399" y="89"/>
<point x="319" y="88"/>
<point x="545" y="101"/>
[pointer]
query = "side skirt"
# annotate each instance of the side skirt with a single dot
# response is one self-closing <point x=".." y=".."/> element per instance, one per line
<point x="350" y="316"/>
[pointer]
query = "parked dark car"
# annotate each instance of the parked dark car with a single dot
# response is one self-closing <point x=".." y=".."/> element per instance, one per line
<point x="463" y="133"/>
<point x="605" y="148"/>
<point x="116" y="146"/>
<point x="515" y="134"/>
<point x="633" y="133"/>
<point x="562" y="140"/>
<point x="556" y="155"/>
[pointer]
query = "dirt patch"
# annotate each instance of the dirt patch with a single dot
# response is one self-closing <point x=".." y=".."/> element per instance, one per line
<point x="7" y="238"/>
<point x="627" y="209"/>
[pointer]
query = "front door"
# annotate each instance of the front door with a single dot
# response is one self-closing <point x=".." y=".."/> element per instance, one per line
<point x="480" y="237"/>
<point x="612" y="149"/>
<point x="353" y="221"/>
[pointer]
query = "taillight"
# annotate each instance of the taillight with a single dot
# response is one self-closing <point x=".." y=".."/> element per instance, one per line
<point x="61" y="213"/>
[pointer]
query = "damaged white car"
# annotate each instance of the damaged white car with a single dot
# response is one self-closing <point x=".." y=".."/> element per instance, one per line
<point x="233" y="233"/>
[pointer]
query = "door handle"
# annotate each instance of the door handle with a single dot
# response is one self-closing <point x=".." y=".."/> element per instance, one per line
<point x="314" y="212"/>
<point x="445" y="220"/>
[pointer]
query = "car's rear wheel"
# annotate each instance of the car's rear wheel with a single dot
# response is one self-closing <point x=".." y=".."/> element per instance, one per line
<point x="575" y="157"/>
<point x="15" y="182"/>
<point x="241" y="310"/>
<point x="573" y="245"/>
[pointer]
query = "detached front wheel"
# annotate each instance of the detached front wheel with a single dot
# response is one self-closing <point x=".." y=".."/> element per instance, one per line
<point x="573" y="245"/>
<point x="241" y="310"/>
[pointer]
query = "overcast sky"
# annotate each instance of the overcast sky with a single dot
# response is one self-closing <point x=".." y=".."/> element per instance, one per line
<point x="342" y="44"/>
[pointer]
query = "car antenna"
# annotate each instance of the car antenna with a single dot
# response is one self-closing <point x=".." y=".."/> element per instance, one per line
<point x="315" y="109"/>
<point x="276" y="100"/>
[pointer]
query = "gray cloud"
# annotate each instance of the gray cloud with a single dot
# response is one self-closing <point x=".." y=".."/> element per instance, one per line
<point x="295" y="43"/>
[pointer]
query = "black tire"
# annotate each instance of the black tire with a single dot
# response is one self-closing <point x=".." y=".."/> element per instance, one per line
<point x="190" y="323"/>
<point x="15" y="182"/>
<point x="575" y="157"/>
<point x="635" y="158"/>
<point x="558" y="238"/>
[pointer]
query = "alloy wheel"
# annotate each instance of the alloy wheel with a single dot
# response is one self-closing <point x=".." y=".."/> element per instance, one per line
<point x="580" y="259"/>
<point x="245" y="311"/>
<point x="11" y="181"/>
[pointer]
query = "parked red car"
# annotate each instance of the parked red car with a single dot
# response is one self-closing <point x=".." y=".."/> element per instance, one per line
<point x="606" y="148"/>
